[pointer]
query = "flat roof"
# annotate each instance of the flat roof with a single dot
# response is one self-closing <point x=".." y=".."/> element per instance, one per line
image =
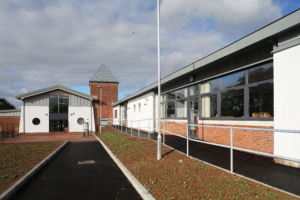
<point x="11" y="110"/>
<point x="272" y="29"/>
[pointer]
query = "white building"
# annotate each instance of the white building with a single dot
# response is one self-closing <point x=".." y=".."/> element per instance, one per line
<point x="56" y="109"/>
<point x="252" y="82"/>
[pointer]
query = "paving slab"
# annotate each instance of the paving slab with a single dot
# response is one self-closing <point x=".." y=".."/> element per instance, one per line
<point x="42" y="137"/>
<point x="82" y="170"/>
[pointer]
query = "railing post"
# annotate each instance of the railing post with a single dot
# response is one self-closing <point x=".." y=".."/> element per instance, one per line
<point x="231" y="152"/>
<point x="187" y="139"/>
<point x="149" y="128"/>
<point x="131" y="127"/>
<point x="164" y="132"/>
<point x="139" y="128"/>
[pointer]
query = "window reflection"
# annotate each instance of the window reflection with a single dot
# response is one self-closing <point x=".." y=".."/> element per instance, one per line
<point x="63" y="102"/>
<point x="170" y="109"/>
<point x="232" y="103"/>
<point x="233" y="80"/>
<point x="209" y="86"/>
<point x="261" y="73"/>
<point x="261" y="101"/>
<point x="162" y="110"/>
<point x="181" y="93"/>
<point x="170" y="95"/>
<point x="58" y="102"/>
<point x="194" y="90"/>
<point x="181" y="108"/>
<point x="209" y="105"/>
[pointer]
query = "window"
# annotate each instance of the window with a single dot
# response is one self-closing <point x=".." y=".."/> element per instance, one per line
<point x="124" y="111"/>
<point x="247" y="94"/>
<point x="116" y="113"/>
<point x="139" y="107"/>
<point x="134" y="108"/>
<point x="170" y="109"/>
<point x="261" y="101"/>
<point x="232" y="103"/>
<point x="80" y="121"/>
<point x="36" y="121"/>
<point x="58" y="102"/>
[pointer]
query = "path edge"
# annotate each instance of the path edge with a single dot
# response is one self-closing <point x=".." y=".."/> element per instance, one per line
<point x="10" y="191"/>
<point x="135" y="183"/>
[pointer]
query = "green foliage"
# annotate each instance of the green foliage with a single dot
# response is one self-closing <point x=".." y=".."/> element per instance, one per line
<point x="5" y="105"/>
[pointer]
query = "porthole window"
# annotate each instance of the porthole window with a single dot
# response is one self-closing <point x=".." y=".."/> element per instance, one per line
<point x="36" y="121"/>
<point x="139" y="107"/>
<point x="80" y="121"/>
<point x="134" y="108"/>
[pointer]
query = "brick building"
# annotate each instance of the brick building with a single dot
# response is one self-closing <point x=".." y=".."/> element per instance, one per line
<point x="105" y="83"/>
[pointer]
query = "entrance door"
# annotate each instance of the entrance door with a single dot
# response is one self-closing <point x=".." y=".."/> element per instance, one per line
<point x="193" y="116"/>
<point x="58" y="125"/>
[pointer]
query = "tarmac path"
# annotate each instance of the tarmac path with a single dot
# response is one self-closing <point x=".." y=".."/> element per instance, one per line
<point x="63" y="178"/>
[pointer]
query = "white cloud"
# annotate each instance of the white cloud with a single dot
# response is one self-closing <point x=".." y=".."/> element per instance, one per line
<point x="45" y="43"/>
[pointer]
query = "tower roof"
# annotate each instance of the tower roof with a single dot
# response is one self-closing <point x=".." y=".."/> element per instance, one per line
<point x="104" y="75"/>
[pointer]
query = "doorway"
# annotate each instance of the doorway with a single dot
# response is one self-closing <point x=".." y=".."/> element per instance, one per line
<point x="58" y="125"/>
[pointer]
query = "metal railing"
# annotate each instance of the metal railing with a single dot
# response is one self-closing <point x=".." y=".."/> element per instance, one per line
<point x="231" y="146"/>
<point x="8" y="134"/>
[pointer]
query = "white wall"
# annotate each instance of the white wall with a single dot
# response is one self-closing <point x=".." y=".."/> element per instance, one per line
<point x="287" y="101"/>
<point x="80" y="112"/>
<point x="21" y="121"/>
<point x="116" y="119"/>
<point x="32" y="112"/>
<point x="146" y="112"/>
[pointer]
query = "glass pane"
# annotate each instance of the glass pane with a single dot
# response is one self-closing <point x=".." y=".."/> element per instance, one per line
<point x="170" y="95"/>
<point x="181" y="93"/>
<point x="194" y="90"/>
<point x="261" y="73"/>
<point x="162" y="110"/>
<point x="209" y="86"/>
<point x="232" y="103"/>
<point x="181" y="108"/>
<point x="209" y="106"/>
<point x="233" y="80"/>
<point x="54" y="93"/>
<point x="63" y="102"/>
<point x="194" y="109"/>
<point x="170" y="109"/>
<point x="53" y="105"/>
<point x="65" y="94"/>
<point x="261" y="101"/>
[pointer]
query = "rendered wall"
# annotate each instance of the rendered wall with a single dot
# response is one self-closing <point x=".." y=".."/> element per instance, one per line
<point x="80" y="112"/>
<point x="32" y="112"/>
<point x="286" y="101"/>
<point x="146" y="112"/>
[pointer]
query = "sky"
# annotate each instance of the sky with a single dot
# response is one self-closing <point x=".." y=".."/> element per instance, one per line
<point x="45" y="43"/>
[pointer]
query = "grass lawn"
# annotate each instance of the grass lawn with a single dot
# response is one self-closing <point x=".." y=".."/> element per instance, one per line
<point x="177" y="176"/>
<point x="16" y="159"/>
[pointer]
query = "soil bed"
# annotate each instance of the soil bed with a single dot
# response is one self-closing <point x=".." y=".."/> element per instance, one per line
<point x="177" y="176"/>
<point x="16" y="159"/>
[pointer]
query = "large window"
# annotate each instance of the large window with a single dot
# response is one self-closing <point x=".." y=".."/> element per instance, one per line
<point x="58" y="102"/>
<point x="247" y="94"/>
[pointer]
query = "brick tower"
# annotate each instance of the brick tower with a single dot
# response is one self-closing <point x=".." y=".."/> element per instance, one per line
<point x="109" y="84"/>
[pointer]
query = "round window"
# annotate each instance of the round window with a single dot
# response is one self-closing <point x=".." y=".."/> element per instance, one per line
<point x="36" y="121"/>
<point x="80" y="121"/>
<point x="139" y="107"/>
<point x="134" y="108"/>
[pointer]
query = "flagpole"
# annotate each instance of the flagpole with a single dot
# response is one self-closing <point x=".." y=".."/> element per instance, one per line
<point x="158" y="85"/>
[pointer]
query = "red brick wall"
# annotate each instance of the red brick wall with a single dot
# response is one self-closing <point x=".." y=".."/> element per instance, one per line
<point x="109" y="96"/>
<point x="262" y="141"/>
<point x="9" y="123"/>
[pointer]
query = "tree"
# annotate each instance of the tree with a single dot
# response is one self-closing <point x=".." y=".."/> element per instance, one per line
<point x="5" y="105"/>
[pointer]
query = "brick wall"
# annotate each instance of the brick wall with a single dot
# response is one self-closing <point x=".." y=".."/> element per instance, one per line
<point x="109" y="96"/>
<point x="262" y="141"/>
<point x="9" y="123"/>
